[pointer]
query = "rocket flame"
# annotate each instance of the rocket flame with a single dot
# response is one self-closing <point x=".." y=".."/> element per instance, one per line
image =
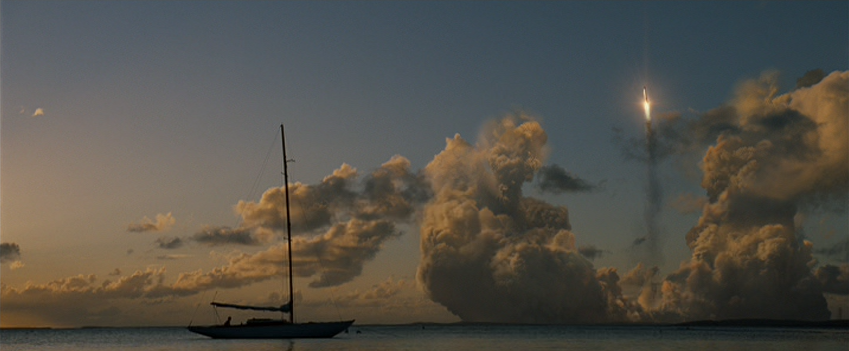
<point x="647" y="107"/>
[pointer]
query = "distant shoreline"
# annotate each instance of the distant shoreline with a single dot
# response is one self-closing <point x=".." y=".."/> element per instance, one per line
<point x="731" y="323"/>
<point x="834" y="323"/>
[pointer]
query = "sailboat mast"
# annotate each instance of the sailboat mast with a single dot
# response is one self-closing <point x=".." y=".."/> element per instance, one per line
<point x="288" y="225"/>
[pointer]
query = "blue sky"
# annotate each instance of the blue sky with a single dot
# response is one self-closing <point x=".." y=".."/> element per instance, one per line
<point x="158" y="107"/>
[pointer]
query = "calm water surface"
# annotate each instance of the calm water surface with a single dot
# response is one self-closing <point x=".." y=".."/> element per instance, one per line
<point x="453" y="337"/>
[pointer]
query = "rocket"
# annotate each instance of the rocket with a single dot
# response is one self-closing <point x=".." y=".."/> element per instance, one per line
<point x="647" y="107"/>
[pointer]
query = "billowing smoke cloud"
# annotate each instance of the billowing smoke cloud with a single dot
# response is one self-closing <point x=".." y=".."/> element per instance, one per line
<point x="834" y="279"/>
<point x="9" y="252"/>
<point x="38" y="112"/>
<point x="640" y="275"/>
<point x="773" y="155"/>
<point x="163" y="222"/>
<point x="643" y="283"/>
<point x="491" y="254"/>
<point x="557" y="180"/>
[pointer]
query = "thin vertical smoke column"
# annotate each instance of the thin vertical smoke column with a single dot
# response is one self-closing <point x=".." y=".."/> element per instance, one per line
<point x="654" y="196"/>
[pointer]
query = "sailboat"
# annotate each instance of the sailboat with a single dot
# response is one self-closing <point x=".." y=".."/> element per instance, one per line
<point x="269" y="328"/>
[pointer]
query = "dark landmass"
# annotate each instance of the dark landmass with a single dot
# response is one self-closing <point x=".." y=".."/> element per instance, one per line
<point x="731" y="323"/>
<point x="770" y="323"/>
<point x="735" y="323"/>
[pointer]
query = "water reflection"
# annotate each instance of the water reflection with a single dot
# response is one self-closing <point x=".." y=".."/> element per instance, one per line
<point x="442" y="337"/>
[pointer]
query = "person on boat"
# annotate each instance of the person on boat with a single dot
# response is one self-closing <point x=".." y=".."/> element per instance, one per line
<point x="227" y="322"/>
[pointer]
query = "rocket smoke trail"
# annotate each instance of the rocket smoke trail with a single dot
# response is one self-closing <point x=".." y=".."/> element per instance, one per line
<point x="654" y="193"/>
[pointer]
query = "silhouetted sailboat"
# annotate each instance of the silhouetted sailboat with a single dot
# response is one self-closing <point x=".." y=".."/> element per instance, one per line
<point x="268" y="328"/>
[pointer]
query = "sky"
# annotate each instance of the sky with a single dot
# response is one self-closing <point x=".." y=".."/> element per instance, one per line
<point x="474" y="161"/>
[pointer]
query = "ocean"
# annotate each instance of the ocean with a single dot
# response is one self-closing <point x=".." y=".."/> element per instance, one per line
<point x="444" y="337"/>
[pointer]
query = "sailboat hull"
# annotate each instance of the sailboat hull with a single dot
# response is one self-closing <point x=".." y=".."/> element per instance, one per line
<point x="263" y="328"/>
<point x="274" y="330"/>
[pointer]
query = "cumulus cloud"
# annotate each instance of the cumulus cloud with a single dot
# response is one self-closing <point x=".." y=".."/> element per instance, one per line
<point x="224" y="235"/>
<point x="9" y="252"/>
<point x="389" y="301"/>
<point x="172" y="257"/>
<point x="77" y="299"/>
<point x="377" y="294"/>
<point x="338" y="225"/>
<point x="338" y="255"/>
<point x="163" y="222"/>
<point x="332" y="257"/>
<point x="84" y="299"/>
<point x="335" y="257"/>
<point x="312" y="207"/>
<point x="391" y="192"/>
<point x="169" y="243"/>
<point x="358" y="219"/>
<point x="489" y="254"/>
<point x="810" y="78"/>
<point x="81" y="299"/>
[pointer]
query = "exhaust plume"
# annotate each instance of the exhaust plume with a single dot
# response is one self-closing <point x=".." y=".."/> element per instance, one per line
<point x="654" y="195"/>
<point x="773" y="156"/>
